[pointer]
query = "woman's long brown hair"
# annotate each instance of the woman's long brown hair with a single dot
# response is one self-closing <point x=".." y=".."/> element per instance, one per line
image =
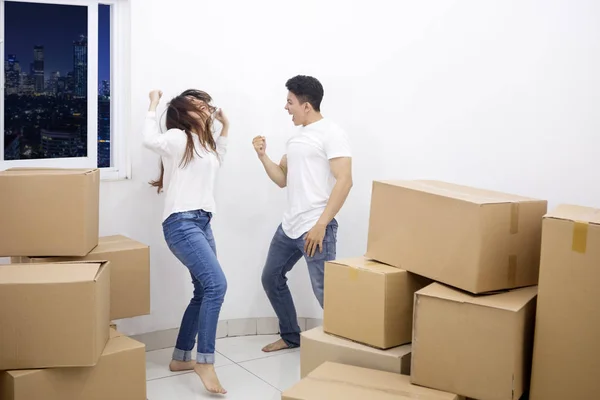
<point x="183" y="113"/>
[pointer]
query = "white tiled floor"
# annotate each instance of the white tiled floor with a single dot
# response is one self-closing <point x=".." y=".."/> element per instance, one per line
<point x="244" y="370"/>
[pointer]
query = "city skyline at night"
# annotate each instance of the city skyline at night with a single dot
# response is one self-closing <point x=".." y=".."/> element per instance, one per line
<point x="34" y="24"/>
<point x="46" y="82"/>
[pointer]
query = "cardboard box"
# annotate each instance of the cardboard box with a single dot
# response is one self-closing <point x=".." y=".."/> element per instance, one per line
<point x="129" y="273"/>
<point x="119" y="375"/>
<point x="53" y="315"/>
<point x="318" y="347"/>
<point x="332" y="381"/>
<point x="476" y="240"/>
<point x="565" y="361"/>
<point x="49" y="212"/>
<point x="369" y="302"/>
<point x="477" y="346"/>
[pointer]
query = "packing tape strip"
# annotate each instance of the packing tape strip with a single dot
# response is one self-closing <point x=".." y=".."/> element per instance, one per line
<point x="512" y="270"/>
<point x="580" y="233"/>
<point x="514" y="218"/>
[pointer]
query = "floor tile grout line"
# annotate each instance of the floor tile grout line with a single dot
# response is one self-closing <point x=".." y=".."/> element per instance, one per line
<point x="266" y="356"/>
<point x="170" y="376"/>
<point x="228" y="365"/>
<point x="252" y="373"/>
<point x="234" y="363"/>
<point x="224" y="356"/>
<point x="187" y="372"/>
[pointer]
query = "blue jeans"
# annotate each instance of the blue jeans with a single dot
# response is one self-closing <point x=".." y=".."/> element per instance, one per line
<point x="190" y="238"/>
<point x="284" y="253"/>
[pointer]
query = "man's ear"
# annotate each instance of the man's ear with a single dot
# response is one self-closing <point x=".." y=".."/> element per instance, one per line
<point x="307" y="107"/>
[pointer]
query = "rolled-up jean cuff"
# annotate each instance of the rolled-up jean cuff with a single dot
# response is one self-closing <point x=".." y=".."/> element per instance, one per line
<point x="205" y="358"/>
<point x="182" y="355"/>
<point x="290" y="344"/>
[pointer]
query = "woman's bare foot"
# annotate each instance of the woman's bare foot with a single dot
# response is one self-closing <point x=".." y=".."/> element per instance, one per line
<point x="276" y="346"/>
<point x="207" y="374"/>
<point x="176" y="366"/>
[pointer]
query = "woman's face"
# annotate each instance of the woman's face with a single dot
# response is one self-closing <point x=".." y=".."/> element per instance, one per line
<point x="204" y="110"/>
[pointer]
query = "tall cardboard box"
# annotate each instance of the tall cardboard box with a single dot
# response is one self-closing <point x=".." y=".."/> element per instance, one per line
<point x="129" y="273"/>
<point x="318" y="347"/>
<point x="370" y="302"/>
<point x="566" y="351"/>
<point x="119" y="375"/>
<point x="477" y="346"/>
<point x="49" y="212"/>
<point x="53" y="315"/>
<point x="332" y="381"/>
<point x="473" y="239"/>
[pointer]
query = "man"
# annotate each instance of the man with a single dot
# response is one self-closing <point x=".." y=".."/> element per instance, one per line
<point x="317" y="171"/>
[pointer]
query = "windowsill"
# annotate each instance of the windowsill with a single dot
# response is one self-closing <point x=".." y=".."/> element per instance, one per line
<point x="113" y="175"/>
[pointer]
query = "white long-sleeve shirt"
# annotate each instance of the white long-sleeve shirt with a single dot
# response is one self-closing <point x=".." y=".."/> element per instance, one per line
<point x="187" y="187"/>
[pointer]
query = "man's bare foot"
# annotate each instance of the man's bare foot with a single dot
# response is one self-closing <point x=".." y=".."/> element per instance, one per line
<point x="276" y="346"/>
<point x="176" y="366"/>
<point x="207" y="374"/>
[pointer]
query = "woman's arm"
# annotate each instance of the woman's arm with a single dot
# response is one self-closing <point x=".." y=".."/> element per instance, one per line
<point x="152" y="138"/>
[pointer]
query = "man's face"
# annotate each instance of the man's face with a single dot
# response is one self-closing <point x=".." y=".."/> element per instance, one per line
<point x="295" y="109"/>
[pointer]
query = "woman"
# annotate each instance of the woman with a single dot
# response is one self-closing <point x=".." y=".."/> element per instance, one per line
<point x="190" y="157"/>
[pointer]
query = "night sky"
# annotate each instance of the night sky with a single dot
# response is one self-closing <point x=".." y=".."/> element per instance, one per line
<point x="55" y="27"/>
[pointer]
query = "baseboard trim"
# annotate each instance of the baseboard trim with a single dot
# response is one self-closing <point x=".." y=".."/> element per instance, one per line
<point x="225" y="328"/>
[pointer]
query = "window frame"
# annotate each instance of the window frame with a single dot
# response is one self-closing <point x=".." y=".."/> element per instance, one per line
<point x="119" y="78"/>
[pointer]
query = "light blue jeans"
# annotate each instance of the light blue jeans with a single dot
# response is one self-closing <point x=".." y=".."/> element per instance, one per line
<point x="190" y="238"/>
<point x="284" y="253"/>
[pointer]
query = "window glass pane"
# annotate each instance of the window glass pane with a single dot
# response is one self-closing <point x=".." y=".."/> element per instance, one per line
<point x="104" y="107"/>
<point x="45" y="104"/>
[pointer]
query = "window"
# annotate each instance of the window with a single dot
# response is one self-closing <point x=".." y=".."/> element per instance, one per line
<point x="62" y="85"/>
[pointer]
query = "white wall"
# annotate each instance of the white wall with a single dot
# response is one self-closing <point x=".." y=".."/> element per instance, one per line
<point x="498" y="94"/>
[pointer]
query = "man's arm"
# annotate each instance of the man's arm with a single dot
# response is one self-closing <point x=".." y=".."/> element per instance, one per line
<point x="341" y="168"/>
<point x="277" y="172"/>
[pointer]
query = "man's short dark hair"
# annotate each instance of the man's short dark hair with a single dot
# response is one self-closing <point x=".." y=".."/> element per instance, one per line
<point x="306" y="89"/>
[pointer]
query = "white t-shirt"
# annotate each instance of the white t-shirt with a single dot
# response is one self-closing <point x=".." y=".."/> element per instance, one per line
<point x="309" y="177"/>
<point x="189" y="187"/>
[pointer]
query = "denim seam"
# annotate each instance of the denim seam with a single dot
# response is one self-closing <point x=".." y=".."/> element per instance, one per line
<point x="188" y="242"/>
<point x="290" y="345"/>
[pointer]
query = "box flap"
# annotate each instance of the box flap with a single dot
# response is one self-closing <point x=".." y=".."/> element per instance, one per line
<point x="117" y="243"/>
<point x="513" y="300"/>
<point x="459" y="192"/>
<point x="106" y="244"/>
<point x="346" y="380"/>
<point x="113" y="333"/>
<point x="367" y="264"/>
<point x="20" y="373"/>
<point x="121" y="343"/>
<point x="317" y="334"/>
<point x="103" y="265"/>
<point x="49" y="273"/>
<point x="575" y="213"/>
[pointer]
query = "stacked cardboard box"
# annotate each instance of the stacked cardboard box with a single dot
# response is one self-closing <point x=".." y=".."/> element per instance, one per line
<point x="370" y="302"/>
<point x="319" y="347"/>
<point x="120" y="373"/>
<point x="565" y="362"/>
<point x="63" y="288"/>
<point x="452" y="269"/>
<point x="130" y="273"/>
<point x="367" y="320"/>
<point x="334" y="381"/>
